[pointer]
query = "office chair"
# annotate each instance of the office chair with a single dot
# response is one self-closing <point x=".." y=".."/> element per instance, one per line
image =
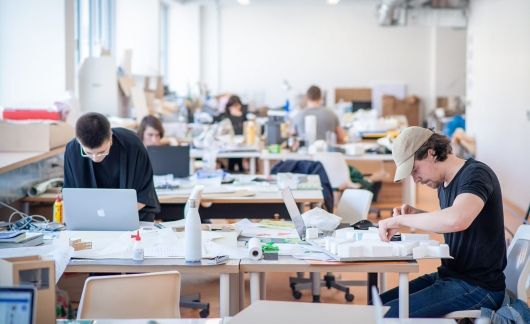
<point x="146" y="295"/>
<point x="517" y="271"/>
<point x="353" y="206"/>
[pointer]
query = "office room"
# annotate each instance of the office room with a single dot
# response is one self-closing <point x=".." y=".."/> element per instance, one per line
<point x="264" y="161"/>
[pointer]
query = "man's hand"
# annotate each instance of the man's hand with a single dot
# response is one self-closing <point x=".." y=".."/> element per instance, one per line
<point x="388" y="227"/>
<point x="404" y="210"/>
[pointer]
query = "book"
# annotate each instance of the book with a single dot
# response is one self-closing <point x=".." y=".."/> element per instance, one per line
<point x="29" y="239"/>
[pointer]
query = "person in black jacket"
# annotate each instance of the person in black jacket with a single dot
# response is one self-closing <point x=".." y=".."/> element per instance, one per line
<point x="101" y="157"/>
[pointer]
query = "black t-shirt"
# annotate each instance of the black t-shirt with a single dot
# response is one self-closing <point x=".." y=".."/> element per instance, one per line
<point x="126" y="167"/>
<point x="479" y="252"/>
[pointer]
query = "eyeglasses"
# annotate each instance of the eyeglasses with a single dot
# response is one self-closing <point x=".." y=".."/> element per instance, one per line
<point x="94" y="155"/>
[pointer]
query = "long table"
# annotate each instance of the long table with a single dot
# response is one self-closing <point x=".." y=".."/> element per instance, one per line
<point x="258" y="270"/>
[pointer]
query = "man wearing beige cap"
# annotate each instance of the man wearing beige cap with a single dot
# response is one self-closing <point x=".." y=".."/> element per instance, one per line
<point x="470" y="217"/>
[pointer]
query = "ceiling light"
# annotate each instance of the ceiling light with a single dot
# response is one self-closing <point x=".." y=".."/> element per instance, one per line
<point x="244" y="2"/>
<point x="333" y="2"/>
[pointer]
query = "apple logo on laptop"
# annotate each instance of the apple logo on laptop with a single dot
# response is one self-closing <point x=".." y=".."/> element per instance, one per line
<point x="100" y="212"/>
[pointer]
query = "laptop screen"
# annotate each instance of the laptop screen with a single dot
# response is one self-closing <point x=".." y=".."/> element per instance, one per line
<point x="17" y="305"/>
<point x="173" y="160"/>
<point x="294" y="212"/>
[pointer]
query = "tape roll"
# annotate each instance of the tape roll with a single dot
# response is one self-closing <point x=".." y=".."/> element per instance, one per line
<point x="254" y="249"/>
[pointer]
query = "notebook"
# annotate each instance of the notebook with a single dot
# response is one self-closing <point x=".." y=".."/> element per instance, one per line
<point x="100" y="209"/>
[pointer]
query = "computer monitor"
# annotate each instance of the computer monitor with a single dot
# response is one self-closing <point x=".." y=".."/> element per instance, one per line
<point x="17" y="305"/>
<point x="358" y="105"/>
<point x="173" y="160"/>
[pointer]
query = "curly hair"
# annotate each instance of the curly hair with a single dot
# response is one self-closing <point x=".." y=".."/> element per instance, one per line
<point x="440" y="144"/>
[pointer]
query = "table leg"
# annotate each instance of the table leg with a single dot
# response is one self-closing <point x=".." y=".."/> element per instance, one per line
<point x="266" y="167"/>
<point x="252" y="166"/>
<point x="315" y="286"/>
<point x="224" y="295"/>
<point x="234" y="291"/>
<point x="403" y="295"/>
<point x="241" y="290"/>
<point x="254" y="286"/>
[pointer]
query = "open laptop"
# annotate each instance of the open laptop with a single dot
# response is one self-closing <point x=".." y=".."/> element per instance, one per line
<point x="173" y="160"/>
<point x="17" y="305"/>
<point x="100" y="209"/>
<point x="294" y="212"/>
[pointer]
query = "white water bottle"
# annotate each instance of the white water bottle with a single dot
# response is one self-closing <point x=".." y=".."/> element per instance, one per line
<point x="192" y="233"/>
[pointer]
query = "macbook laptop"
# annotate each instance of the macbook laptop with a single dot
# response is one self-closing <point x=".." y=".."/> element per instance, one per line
<point x="17" y="305"/>
<point x="100" y="209"/>
<point x="173" y="160"/>
<point x="294" y="212"/>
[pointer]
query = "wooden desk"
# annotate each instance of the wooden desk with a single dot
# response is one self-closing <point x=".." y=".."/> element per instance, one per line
<point x="228" y="274"/>
<point x="13" y="160"/>
<point x="258" y="269"/>
<point x="157" y="321"/>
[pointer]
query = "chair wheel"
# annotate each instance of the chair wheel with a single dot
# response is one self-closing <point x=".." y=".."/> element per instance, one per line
<point x="297" y="294"/>
<point x="349" y="297"/>
<point x="204" y="313"/>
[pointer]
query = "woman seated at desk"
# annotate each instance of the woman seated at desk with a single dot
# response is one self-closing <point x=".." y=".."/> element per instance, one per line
<point x="151" y="132"/>
<point x="235" y="111"/>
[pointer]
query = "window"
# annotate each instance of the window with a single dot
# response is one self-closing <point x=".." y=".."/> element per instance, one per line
<point x="94" y="30"/>
<point x="164" y="31"/>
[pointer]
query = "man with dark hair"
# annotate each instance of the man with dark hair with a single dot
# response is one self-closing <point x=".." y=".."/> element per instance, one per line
<point x="105" y="157"/>
<point x="471" y="219"/>
<point x="327" y="121"/>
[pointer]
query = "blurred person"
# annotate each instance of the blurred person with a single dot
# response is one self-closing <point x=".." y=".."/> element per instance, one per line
<point x="151" y="131"/>
<point x="326" y="119"/>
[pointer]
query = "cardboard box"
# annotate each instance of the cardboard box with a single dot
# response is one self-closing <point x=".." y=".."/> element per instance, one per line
<point x="36" y="271"/>
<point x="33" y="136"/>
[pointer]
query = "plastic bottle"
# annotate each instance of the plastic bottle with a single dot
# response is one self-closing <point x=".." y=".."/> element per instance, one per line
<point x="58" y="210"/>
<point x="138" y="249"/>
<point x="192" y="232"/>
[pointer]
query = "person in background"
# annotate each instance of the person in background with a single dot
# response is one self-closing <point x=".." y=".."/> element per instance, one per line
<point x="151" y="131"/>
<point x="327" y="120"/>
<point x="235" y="112"/>
<point x="470" y="216"/>
<point x="105" y="157"/>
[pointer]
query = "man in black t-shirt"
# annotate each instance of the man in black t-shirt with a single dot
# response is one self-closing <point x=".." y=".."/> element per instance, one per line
<point x="471" y="219"/>
<point x="101" y="157"/>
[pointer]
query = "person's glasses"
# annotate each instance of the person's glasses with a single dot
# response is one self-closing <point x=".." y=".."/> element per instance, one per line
<point x="94" y="155"/>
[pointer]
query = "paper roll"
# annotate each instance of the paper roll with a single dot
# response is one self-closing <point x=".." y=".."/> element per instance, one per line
<point x="254" y="249"/>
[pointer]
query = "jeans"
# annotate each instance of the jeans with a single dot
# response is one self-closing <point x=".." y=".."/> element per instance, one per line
<point x="432" y="296"/>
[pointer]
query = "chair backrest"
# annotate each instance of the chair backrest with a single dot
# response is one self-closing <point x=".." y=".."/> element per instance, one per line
<point x="518" y="266"/>
<point x="354" y="205"/>
<point x="336" y="168"/>
<point x="149" y="295"/>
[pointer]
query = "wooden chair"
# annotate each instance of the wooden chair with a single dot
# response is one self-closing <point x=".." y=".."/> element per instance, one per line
<point x="146" y="295"/>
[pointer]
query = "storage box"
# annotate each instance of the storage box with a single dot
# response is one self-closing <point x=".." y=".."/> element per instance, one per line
<point x="35" y="271"/>
<point x="33" y="136"/>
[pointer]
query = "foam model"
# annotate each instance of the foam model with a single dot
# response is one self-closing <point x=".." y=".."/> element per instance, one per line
<point x="352" y="243"/>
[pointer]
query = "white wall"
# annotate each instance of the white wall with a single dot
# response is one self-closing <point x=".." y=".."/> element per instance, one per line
<point x="138" y="28"/>
<point x="450" y="69"/>
<point x="311" y="42"/>
<point x="184" y="47"/>
<point x="32" y="52"/>
<point x="498" y="91"/>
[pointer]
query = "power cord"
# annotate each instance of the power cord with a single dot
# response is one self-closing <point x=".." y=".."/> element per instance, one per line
<point x="28" y="222"/>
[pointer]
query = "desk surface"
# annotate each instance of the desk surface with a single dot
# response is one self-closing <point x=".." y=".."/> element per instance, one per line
<point x="13" y="160"/>
<point x="306" y="156"/>
<point x="149" y="265"/>
<point x="268" y="312"/>
<point x="301" y="196"/>
<point x="290" y="264"/>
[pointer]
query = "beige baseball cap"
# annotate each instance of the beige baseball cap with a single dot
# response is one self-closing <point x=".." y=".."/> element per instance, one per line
<point x="404" y="148"/>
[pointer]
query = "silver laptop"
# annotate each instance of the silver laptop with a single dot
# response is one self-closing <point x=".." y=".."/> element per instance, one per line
<point x="294" y="212"/>
<point x="17" y="305"/>
<point x="100" y="209"/>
